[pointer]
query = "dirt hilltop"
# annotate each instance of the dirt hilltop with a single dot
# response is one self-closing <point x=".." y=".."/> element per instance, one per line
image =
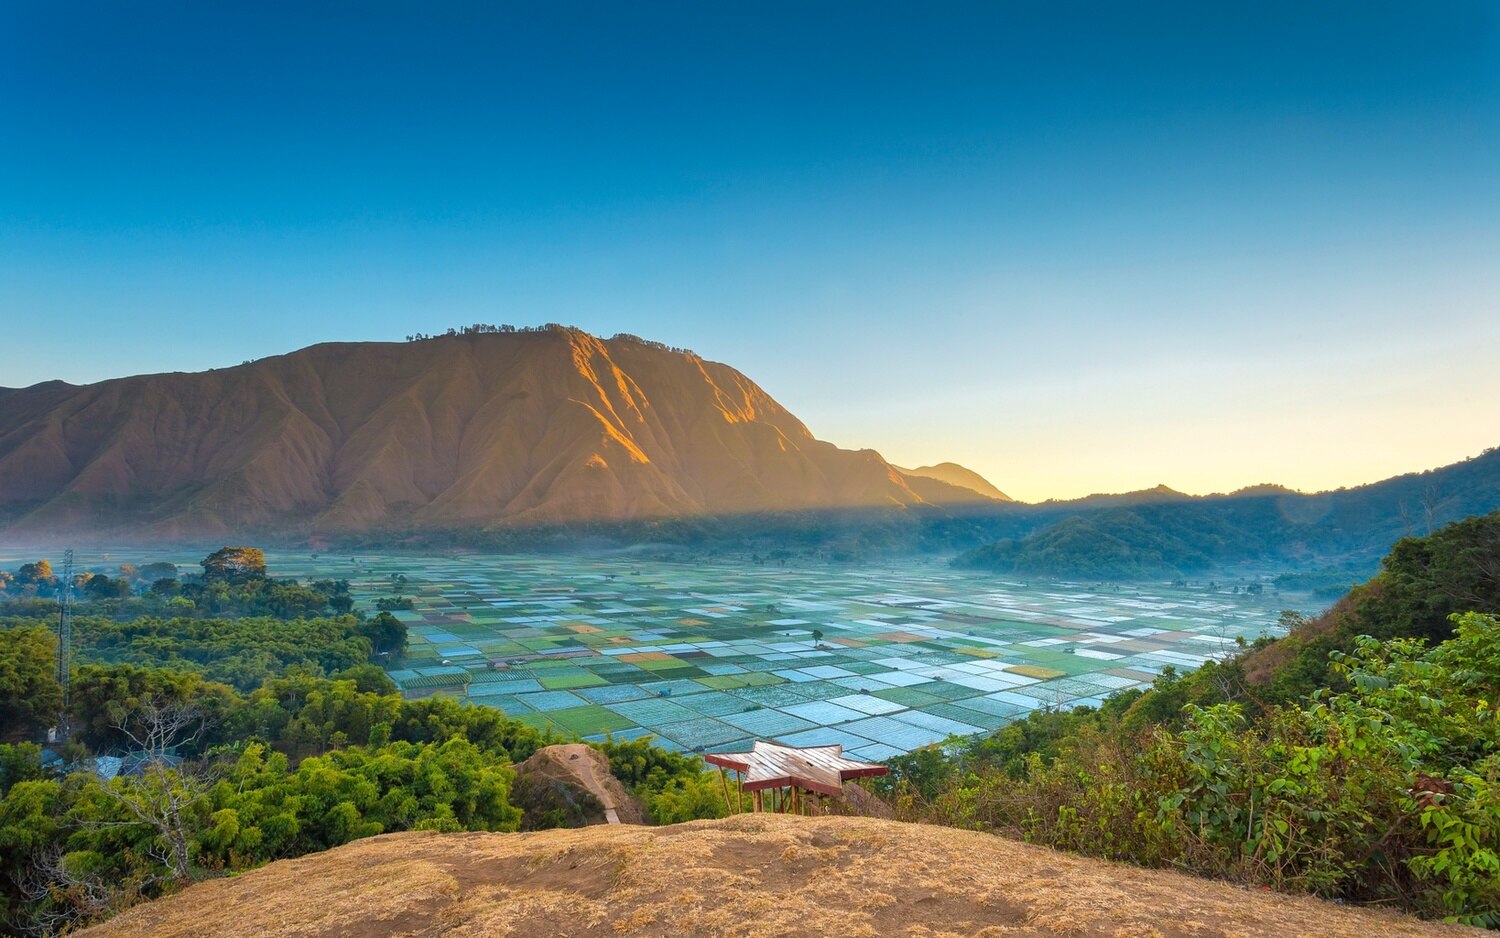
<point x="750" y="875"/>
<point x="570" y="785"/>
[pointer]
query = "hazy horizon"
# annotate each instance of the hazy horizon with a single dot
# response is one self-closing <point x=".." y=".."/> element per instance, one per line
<point x="1076" y="249"/>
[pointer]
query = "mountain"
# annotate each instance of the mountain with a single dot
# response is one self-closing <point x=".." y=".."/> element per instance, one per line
<point x="486" y="437"/>
<point x="1150" y="541"/>
<point x="537" y="426"/>
<point x="754" y="874"/>
<point x="937" y="492"/>
<point x="1264" y="488"/>
<point x="955" y="475"/>
<point x="1151" y="496"/>
<point x="1343" y="532"/>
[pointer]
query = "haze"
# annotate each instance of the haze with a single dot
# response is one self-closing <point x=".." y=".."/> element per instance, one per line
<point x="1200" y="247"/>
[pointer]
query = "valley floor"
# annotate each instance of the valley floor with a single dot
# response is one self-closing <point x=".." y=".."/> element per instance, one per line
<point x="709" y="656"/>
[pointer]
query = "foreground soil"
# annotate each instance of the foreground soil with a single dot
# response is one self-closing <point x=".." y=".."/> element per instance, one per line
<point x="750" y="875"/>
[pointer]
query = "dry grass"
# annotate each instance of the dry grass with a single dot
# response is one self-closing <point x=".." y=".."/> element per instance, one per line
<point x="750" y="875"/>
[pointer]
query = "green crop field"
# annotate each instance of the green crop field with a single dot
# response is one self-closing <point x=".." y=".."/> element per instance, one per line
<point x="711" y="656"/>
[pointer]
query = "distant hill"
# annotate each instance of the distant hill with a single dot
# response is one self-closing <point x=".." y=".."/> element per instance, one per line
<point x="531" y="427"/>
<point x="760" y="874"/>
<point x="956" y="475"/>
<point x="1175" y="534"/>
<point x="1151" y="496"/>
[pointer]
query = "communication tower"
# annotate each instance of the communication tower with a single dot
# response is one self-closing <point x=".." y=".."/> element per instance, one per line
<point x="65" y="641"/>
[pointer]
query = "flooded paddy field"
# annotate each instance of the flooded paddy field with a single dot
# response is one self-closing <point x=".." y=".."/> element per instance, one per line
<point x="882" y="659"/>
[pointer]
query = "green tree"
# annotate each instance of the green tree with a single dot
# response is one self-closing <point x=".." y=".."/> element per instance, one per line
<point x="1425" y="580"/>
<point x="166" y="587"/>
<point x="164" y="796"/>
<point x="19" y="762"/>
<point x="368" y="679"/>
<point x="38" y="572"/>
<point x="99" y="586"/>
<point x="235" y="565"/>
<point x="30" y="697"/>
<point x="113" y="705"/>
<point x="152" y="572"/>
<point x="387" y="635"/>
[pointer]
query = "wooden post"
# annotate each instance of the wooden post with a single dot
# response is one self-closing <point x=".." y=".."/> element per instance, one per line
<point x="724" y="780"/>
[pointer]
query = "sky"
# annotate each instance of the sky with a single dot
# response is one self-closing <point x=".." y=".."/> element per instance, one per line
<point x="1077" y="247"/>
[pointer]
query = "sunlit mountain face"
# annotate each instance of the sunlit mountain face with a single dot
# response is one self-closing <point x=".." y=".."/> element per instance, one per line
<point x="530" y="427"/>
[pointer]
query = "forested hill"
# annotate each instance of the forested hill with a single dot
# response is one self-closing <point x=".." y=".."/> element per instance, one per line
<point x="1356" y="758"/>
<point x="1177" y="535"/>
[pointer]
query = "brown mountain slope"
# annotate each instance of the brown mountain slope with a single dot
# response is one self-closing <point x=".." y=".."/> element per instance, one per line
<point x="459" y="431"/>
<point x="749" y="876"/>
<point x="951" y="473"/>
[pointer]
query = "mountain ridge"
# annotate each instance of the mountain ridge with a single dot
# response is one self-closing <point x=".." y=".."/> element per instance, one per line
<point x="1176" y="535"/>
<point x="543" y="426"/>
<point x="553" y="436"/>
<point x="962" y="477"/>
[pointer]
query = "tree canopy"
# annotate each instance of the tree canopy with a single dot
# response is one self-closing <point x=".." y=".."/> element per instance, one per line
<point x="234" y="565"/>
<point x="30" y="697"/>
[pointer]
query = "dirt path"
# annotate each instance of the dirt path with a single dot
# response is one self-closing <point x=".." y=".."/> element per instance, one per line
<point x="587" y="771"/>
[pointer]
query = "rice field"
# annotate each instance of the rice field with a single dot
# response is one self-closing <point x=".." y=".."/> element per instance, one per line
<point x="881" y="659"/>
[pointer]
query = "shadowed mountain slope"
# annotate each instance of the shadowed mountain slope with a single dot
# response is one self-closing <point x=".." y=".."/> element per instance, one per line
<point x="462" y="431"/>
<point x="746" y="876"/>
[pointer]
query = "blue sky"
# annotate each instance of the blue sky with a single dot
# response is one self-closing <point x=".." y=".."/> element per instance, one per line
<point x="1076" y="246"/>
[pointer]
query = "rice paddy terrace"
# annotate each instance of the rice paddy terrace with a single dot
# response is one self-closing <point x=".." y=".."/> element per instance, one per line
<point x="707" y="657"/>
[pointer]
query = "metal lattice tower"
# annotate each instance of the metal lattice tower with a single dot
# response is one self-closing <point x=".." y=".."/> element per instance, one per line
<point x="65" y="639"/>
